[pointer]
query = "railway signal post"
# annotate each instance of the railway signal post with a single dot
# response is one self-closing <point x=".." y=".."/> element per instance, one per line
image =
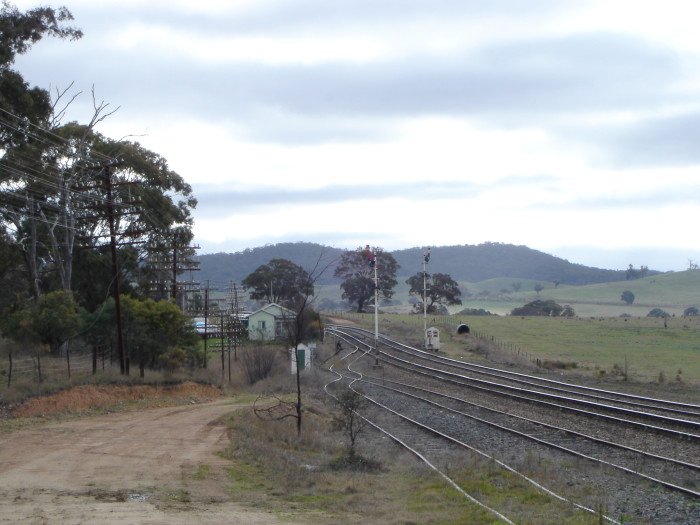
<point x="426" y="259"/>
<point x="372" y="261"/>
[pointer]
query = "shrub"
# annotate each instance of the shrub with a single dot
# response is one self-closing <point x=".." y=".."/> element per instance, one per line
<point x="559" y="365"/>
<point x="568" y="311"/>
<point x="657" y="312"/>
<point x="539" y="308"/>
<point x="173" y="359"/>
<point x="257" y="363"/>
<point x="351" y="460"/>
<point x="627" y="297"/>
<point x="474" y="311"/>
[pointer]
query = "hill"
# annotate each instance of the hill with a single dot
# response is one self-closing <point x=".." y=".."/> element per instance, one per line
<point x="672" y="291"/>
<point x="472" y="263"/>
<point x="494" y="260"/>
<point x="220" y="268"/>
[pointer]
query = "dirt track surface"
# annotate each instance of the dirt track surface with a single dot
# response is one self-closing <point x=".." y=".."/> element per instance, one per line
<point x="153" y="466"/>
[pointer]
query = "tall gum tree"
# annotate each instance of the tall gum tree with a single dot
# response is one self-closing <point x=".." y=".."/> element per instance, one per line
<point x="358" y="276"/>
<point x="23" y="106"/>
<point x="279" y="281"/>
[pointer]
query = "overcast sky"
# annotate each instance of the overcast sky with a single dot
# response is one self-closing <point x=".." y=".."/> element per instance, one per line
<point x="568" y="126"/>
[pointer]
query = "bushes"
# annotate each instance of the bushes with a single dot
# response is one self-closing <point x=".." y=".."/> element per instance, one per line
<point x="540" y="308"/>
<point x="474" y="311"/>
<point x="257" y="363"/>
<point x="173" y="359"/>
<point x="657" y="312"/>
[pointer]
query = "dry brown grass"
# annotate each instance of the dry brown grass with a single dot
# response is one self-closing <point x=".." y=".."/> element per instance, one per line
<point x="102" y="397"/>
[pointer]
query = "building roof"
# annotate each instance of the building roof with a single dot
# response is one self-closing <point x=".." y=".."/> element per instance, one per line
<point x="286" y="312"/>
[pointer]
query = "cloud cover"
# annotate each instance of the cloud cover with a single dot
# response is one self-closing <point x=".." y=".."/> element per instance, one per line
<point x="405" y="123"/>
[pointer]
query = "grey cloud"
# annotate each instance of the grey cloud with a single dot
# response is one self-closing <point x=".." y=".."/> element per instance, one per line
<point x="515" y="83"/>
<point x="312" y="15"/>
<point x="654" y="142"/>
<point x="575" y="73"/>
<point x="635" y="198"/>
<point x="217" y="201"/>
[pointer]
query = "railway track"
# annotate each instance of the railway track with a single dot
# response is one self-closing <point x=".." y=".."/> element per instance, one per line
<point x="420" y="440"/>
<point x="407" y="390"/>
<point x="667" y="417"/>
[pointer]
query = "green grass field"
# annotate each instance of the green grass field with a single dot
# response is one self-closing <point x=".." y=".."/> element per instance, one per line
<point x="597" y="345"/>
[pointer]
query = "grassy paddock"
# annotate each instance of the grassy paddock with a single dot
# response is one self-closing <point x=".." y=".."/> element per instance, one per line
<point x="599" y="346"/>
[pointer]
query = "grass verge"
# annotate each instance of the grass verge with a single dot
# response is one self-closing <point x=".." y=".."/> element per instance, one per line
<point x="296" y="476"/>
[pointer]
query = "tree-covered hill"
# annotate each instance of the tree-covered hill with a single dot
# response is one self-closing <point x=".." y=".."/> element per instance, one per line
<point x="464" y="263"/>
<point x="492" y="260"/>
<point x="220" y="268"/>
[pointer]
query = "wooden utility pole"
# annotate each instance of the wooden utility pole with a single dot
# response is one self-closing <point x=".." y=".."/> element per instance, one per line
<point x="123" y="367"/>
<point x="206" y="322"/>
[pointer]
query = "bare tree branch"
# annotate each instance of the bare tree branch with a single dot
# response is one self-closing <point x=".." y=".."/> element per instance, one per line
<point x="100" y="112"/>
<point x="280" y="410"/>
<point x="58" y="114"/>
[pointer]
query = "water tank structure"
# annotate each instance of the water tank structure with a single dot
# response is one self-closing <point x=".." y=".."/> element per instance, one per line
<point x="432" y="339"/>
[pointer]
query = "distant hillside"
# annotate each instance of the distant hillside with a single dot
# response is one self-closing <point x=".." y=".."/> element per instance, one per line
<point x="463" y="263"/>
<point x="493" y="260"/>
<point x="220" y="268"/>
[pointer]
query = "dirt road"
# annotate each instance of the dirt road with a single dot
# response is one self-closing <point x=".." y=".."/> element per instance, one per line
<point x="154" y="466"/>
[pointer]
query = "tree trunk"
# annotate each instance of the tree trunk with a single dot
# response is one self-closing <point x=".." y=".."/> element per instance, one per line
<point x="38" y="366"/>
<point x="68" y="359"/>
<point x="9" y="371"/>
<point x="296" y="357"/>
<point x="94" y="359"/>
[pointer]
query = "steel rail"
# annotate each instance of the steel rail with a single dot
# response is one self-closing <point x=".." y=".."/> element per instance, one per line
<point x="469" y="447"/>
<point x="621" y="399"/>
<point x="545" y="425"/>
<point x="649" y="415"/>
<point x="508" y="392"/>
<point x="673" y="406"/>
<point x="664" y="483"/>
<point x="420" y="456"/>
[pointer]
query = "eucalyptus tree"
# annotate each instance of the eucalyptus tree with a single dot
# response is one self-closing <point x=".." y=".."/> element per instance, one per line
<point x="19" y="31"/>
<point x="24" y="110"/>
<point x="279" y="281"/>
<point x="356" y="270"/>
<point x="441" y="290"/>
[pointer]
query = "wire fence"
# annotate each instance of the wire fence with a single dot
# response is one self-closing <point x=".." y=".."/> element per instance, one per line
<point x="44" y="367"/>
<point x="451" y="322"/>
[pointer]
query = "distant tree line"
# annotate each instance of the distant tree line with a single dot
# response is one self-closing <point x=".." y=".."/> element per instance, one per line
<point x="633" y="273"/>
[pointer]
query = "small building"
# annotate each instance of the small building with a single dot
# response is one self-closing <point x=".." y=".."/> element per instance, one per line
<point x="304" y="356"/>
<point x="270" y="322"/>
